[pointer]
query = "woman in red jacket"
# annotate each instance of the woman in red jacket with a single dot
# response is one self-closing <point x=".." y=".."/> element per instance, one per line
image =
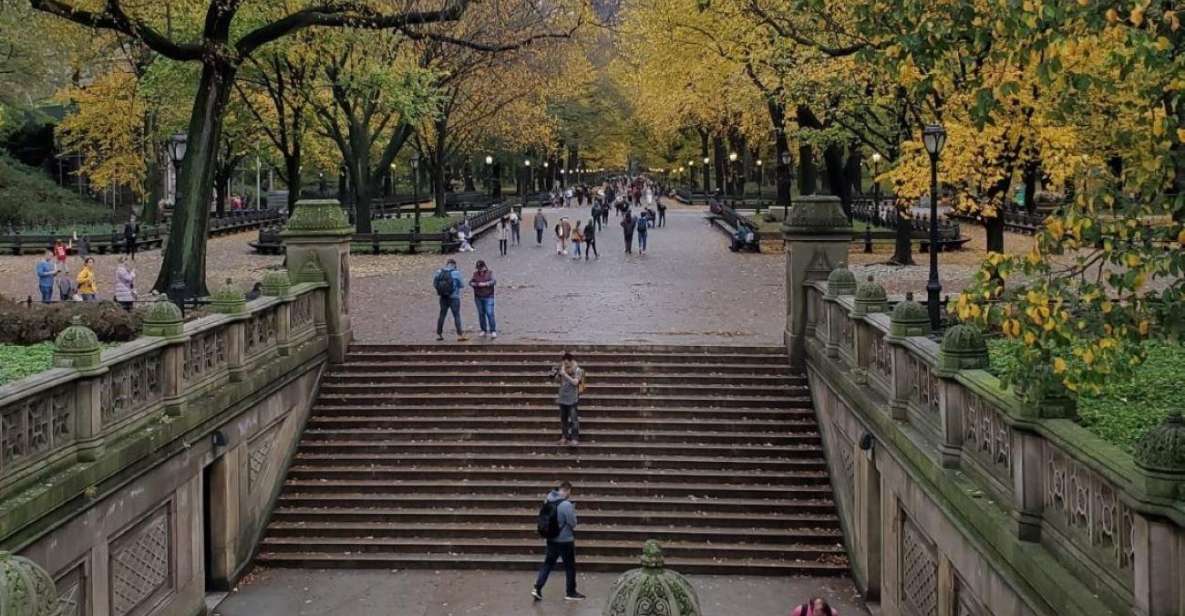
<point x="816" y="607"/>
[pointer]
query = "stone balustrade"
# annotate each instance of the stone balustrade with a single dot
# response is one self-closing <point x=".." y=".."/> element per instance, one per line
<point x="1068" y="520"/>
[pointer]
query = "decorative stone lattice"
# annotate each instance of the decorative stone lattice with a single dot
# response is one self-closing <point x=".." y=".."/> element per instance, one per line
<point x="72" y="592"/>
<point x="881" y="356"/>
<point x="36" y="425"/>
<point x="140" y="564"/>
<point x="988" y="438"/>
<point x="965" y="602"/>
<point x="1088" y="511"/>
<point x="847" y="467"/>
<point x="261" y="331"/>
<point x="261" y="449"/>
<point x="652" y="590"/>
<point x="919" y="571"/>
<point x="847" y="334"/>
<point x="130" y="387"/>
<point x="205" y="354"/>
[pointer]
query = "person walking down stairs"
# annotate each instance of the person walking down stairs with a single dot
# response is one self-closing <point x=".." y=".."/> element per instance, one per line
<point x="557" y="524"/>
<point x="571" y="378"/>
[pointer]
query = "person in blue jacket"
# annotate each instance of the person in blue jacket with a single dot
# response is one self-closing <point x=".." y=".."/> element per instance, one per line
<point x="46" y="270"/>
<point x="450" y="297"/>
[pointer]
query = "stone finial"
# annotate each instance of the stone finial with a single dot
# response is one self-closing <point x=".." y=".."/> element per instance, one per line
<point x="311" y="271"/>
<point x="963" y="348"/>
<point x="318" y="217"/>
<point x="25" y="588"/>
<point x="816" y="214"/>
<point x="870" y="298"/>
<point x="841" y="281"/>
<point x="228" y="299"/>
<point x="652" y="590"/>
<point x="76" y="347"/>
<point x="163" y="318"/>
<point x="909" y="318"/>
<point x="276" y="283"/>
<point x="1162" y="448"/>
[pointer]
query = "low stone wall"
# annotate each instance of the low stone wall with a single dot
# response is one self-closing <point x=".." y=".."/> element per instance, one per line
<point x="959" y="497"/>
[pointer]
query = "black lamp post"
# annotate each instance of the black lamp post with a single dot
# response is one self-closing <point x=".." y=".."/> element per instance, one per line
<point x="415" y="196"/>
<point x="785" y="156"/>
<point x="691" y="175"/>
<point x="876" y="188"/>
<point x="760" y="183"/>
<point x="177" y="292"/>
<point x="530" y="180"/>
<point x="934" y="138"/>
<point x="489" y="174"/>
<point x="732" y="171"/>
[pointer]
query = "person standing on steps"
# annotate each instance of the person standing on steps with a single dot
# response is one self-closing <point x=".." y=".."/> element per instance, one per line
<point x="571" y="378"/>
<point x="590" y="240"/>
<point x="483" y="283"/>
<point x="448" y="284"/>
<point x="557" y="524"/>
<point x="540" y="225"/>
<point x="815" y="607"/>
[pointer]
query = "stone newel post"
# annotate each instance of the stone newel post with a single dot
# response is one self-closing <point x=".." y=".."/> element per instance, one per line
<point x="817" y="235"/>
<point x="318" y="238"/>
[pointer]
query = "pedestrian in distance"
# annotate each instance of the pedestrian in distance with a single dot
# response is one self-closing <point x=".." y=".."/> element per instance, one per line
<point x="46" y="270"/>
<point x="60" y="253"/>
<point x="662" y="213"/>
<point x="540" y="225"/>
<point x="627" y="227"/>
<point x="131" y="230"/>
<point x="503" y="235"/>
<point x="590" y="240"/>
<point x="577" y="240"/>
<point x="571" y="378"/>
<point x="65" y="285"/>
<point x="557" y="524"/>
<point x="643" y="225"/>
<point x="815" y="607"/>
<point x="483" y="284"/>
<point x="125" y="284"/>
<point x="84" y="247"/>
<point x="516" y="235"/>
<point x="88" y="288"/>
<point x="448" y="284"/>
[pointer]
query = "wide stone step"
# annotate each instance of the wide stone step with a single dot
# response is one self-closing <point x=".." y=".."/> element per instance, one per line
<point x="583" y="349"/>
<point x="570" y="451"/>
<point x="549" y="421"/>
<point x="359" y="455"/>
<point x="722" y="443"/>
<point x="334" y="394"/>
<point x="477" y="376"/>
<point x="548" y="408"/>
<point x="544" y="387"/>
<point x="588" y="502"/>
<point x="494" y="352"/>
<point x="533" y="487"/>
<point x="521" y="530"/>
<point x="691" y="566"/>
<point x="429" y="364"/>
<point x="531" y="547"/>
<point x="553" y="476"/>
<point x="527" y="517"/>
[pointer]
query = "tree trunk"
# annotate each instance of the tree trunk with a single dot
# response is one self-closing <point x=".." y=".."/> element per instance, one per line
<point x="437" y="164"/>
<point x="703" y="153"/>
<point x="185" y="254"/>
<point x="497" y="180"/>
<point x="222" y="177"/>
<point x="292" y="170"/>
<point x="467" y="171"/>
<point x="836" y="169"/>
<point x="358" y="169"/>
<point x="1031" y="170"/>
<point x="808" y="174"/>
<point x="777" y="114"/>
<point x="718" y="162"/>
<point x="903" y="246"/>
<point x="994" y="230"/>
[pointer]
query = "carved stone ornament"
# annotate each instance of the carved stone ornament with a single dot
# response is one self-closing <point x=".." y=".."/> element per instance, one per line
<point x="816" y="214"/>
<point x="25" y="588"/>
<point x="228" y="299"/>
<point x="652" y="590"/>
<point x="841" y="281"/>
<point x="163" y="318"/>
<point x="311" y="271"/>
<point x="963" y="348"/>
<point x="870" y="298"/>
<point x="909" y="318"/>
<point x="1162" y="449"/>
<point x="318" y="217"/>
<point x="76" y="347"/>
<point x="276" y="283"/>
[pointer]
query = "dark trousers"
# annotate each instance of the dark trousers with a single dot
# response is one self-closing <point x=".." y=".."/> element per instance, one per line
<point x="538" y="236"/>
<point x="516" y="234"/>
<point x="557" y="551"/>
<point x="46" y="294"/>
<point x="130" y="246"/>
<point x="502" y="247"/>
<point x="662" y="218"/>
<point x="447" y="304"/>
<point x="570" y="421"/>
<point x="629" y="243"/>
<point x="590" y="246"/>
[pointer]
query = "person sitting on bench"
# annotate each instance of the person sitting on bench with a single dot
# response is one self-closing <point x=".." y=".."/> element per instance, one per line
<point x="743" y="239"/>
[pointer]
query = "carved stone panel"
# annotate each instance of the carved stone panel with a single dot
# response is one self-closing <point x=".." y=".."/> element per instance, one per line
<point x="205" y="354"/>
<point x="131" y="387"/>
<point x="260" y="449"/>
<point x="261" y="331"/>
<point x="847" y="336"/>
<point x="1088" y="511"/>
<point x="72" y="592"/>
<point x="987" y="438"/>
<point x="880" y="360"/>
<point x="919" y="571"/>
<point x="36" y="425"/>
<point x="301" y="312"/>
<point x="923" y="392"/>
<point x="141" y="567"/>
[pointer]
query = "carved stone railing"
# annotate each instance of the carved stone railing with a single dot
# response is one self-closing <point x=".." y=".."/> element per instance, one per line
<point x="1065" y="516"/>
<point x="98" y="411"/>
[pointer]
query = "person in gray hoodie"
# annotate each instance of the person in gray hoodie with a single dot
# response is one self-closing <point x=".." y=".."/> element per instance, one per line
<point x="562" y="547"/>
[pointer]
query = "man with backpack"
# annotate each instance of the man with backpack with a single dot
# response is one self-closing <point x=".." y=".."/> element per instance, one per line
<point x="448" y="284"/>
<point x="557" y="524"/>
<point x="643" y="224"/>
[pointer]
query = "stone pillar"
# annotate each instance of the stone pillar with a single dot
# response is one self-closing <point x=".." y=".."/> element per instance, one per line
<point x="867" y="524"/>
<point x="908" y="319"/>
<point x="78" y="347"/>
<point x="230" y="301"/>
<point x="1159" y="544"/>
<point x="318" y="238"/>
<point x="277" y="284"/>
<point x="817" y="235"/>
<point x="164" y="320"/>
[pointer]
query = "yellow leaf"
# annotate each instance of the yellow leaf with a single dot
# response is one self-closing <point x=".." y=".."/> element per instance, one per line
<point x="1088" y="357"/>
<point x="1059" y="365"/>
<point x="1145" y="326"/>
<point x="1181" y="235"/>
<point x="1030" y="338"/>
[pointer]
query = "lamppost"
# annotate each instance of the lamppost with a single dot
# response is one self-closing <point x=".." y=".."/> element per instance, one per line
<point x="876" y="188"/>
<point x="530" y="180"/>
<point x="415" y="197"/>
<point x="785" y="156"/>
<point x="176" y="291"/>
<point x="732" y="171"/>
<point x="546" y="176"/>
<point x="489" y="174"/>
<point x="934" y="138"/>
<point x="708" y="177"/>
<point x="760" y="183"/>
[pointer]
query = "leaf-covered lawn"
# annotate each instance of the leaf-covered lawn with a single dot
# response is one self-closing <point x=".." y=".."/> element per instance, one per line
<point x="428" y="224"/>
<point x="1127" y="409"/>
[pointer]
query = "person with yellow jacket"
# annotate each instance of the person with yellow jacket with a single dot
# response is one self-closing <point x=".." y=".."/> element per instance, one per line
<point x="87" y="287"/>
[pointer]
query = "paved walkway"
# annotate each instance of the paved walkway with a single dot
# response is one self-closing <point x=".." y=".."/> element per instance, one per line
<point x="280" y="592"/>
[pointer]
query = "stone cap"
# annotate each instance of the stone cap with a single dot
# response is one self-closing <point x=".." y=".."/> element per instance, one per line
<point x="909" y="318"/>
<point x="962" y="348"/>
<point x="276" y="283"/>
<point x="26" y="589"/>
<point x="841" y="281"/>
<point x="163" y="318"/>
<point x="816" y="215"/>
<point x="1162" y="448"/>
<point x="228" y="299"/>
<point x="76" y="347"/>
<point x="318" y="217"/>
<point x="870" y="298"/>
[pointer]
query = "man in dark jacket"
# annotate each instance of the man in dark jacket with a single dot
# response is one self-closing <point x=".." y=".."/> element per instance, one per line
<point x="130" y="231"/>
<point x="590" y="240"/>
<point x="562" y="547"/>
<point x="627" y="226"/>
<point x="483" y="283"/>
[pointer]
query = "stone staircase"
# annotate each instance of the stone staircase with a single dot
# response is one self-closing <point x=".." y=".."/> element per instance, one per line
<point x="439" y="457"/>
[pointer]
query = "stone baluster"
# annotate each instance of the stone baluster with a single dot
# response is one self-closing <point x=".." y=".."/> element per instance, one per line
<point x="229" y="300"/>
<point x="319" y="232"/>
<point x="277" y="284"/>
<point x="908" y="318"/>
<point x="817" y="234"/>
<point x="962" y="348"/>
<point x="163" y="319"/>
<point x="1158" y="545"/>
<point x="870" y="298"/>
<point x="77" y="347"/>
<point x="841" y="281"/>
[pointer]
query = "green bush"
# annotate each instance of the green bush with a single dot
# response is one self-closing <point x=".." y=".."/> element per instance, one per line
<point x="18" y="362"/>
<point x="31" y="324"/>
<point x="29" y="198"/>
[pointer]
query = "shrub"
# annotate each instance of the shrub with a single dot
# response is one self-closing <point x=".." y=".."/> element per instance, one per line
<point x="31" y="324"/>
<point x="29" y="198"/>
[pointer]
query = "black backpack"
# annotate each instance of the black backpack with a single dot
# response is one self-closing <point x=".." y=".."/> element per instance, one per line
<point x="444" y="283"/>
<point x="549" y="519"/>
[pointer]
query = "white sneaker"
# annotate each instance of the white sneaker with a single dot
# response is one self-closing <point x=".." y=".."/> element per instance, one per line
<point x="493" y="334"/>
<point x="482" y="334"/>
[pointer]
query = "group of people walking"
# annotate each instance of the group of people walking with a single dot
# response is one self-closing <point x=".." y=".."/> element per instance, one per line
<point x="53" y="274"/>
